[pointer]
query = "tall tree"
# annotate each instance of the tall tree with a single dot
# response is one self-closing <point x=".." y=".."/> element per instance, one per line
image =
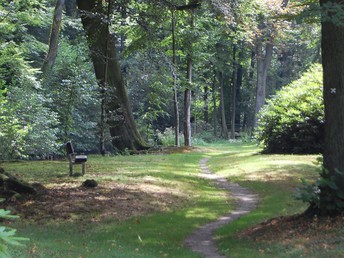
<point x="264" y="51"/>
<point x="187" y="92"/>
<point x="175" y="90"/>
<point x="49" y="61"/>
<point x="224" y="129"/>
<point x="333" y="66"/>
<point x="120" y="117"/>
<point x="234" y="92"/>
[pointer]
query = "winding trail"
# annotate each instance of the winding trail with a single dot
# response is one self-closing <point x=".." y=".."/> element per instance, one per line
<point x="202" y="241"/>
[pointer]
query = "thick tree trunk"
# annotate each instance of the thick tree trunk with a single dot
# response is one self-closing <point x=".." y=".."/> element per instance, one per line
<point x="120" y="119"/>
<point x="49" y="60"/>
<point x="333" y="65"/>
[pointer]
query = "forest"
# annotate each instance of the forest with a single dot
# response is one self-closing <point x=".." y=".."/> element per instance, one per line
<point x="210" y="128"/>
<point x="139" y="74"/>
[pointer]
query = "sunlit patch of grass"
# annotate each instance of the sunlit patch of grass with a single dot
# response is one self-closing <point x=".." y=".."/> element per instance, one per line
<point x="274" y="178"/>
<point x="190" y="202"/>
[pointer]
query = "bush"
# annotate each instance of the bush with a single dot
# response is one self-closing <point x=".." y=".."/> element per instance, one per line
<point x="167" y="138"/>
<point x="325" y="196"/>
<point x="293" y="120"/>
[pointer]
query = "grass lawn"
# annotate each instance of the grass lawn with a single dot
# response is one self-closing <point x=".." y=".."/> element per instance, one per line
<point x="274" y="178"/>
<point x="157" y="201"/>
<point x="146" y="205"/>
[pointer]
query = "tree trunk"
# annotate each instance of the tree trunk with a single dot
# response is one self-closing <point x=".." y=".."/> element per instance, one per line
<point x="49" y="60"/>
<point x="214" y="106"/>
<point x="120" y="118"/>
<point x="224" y="129"/>
<point x="263" y="65"/>
<point x="206" y="105"/>
<point x="71" y="9"/>
<point x="238" y="93"/>
<point x="187" y="106"/>
<point x="249" y="117"/>
<point x="333" y="65"/>
<point x="175" y="91"/>
<point x="11" y="185"/>
<point x="102" y="124"/>
<point x="234" y="91"/>
<point x="187" y="93"/>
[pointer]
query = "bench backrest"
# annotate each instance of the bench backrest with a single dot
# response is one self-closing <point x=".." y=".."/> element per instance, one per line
<point x="69" y="148"/>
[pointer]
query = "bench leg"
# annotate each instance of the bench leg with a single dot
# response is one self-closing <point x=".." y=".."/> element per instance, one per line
<point x="70" y="165"/>
<point x="83" y="168"/>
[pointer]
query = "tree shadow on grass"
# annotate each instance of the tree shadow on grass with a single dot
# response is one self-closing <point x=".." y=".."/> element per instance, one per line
<point x="68" y="203"/>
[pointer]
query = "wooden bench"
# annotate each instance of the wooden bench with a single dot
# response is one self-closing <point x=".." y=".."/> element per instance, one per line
<point x="78" y="159"/>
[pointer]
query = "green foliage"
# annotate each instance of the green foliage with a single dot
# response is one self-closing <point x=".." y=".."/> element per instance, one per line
<point x="292" y="121"/>
<point x="167" y="138"/>
<point x="72" y="93"/>
<point x="324" y="196"/>
<point x="7" y="235"/>
<point x="27" y="126"/>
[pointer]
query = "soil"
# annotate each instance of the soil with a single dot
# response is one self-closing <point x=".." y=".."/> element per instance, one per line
<point x="309" y="232"/>
<point x="202" y="241"/>
<point x="68" y="202"/>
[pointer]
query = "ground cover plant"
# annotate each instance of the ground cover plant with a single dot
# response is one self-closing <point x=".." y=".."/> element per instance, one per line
<point x="146" y="205"/>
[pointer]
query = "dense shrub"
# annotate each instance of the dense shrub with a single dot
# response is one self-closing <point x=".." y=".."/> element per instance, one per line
<point x="292" y="121"/>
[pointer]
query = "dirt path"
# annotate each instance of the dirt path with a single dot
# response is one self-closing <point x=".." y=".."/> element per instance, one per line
<point x="201" y="241"/>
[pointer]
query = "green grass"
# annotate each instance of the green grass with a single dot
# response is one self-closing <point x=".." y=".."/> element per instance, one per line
<point x="147" y="236"/>
<point x="273" y="177"/>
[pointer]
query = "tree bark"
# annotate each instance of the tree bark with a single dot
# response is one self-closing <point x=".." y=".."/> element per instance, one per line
<point x="224" y="131"/>
<point x="214" y="98"/>
<point x="10" y="185"/>
<point x="263" y="65"/>
<point x="249" y="115"/>
<point x="206" y="104"/>
<point x="187" y="92"/>
<point x="49" y="60"/>
<point x="238" y="93"/>
<point x="234" y="91"/>
<point x="120" y="118"/>
<point x="175" y="90"/>
<point x="333" y="67"/>
<point x="187" y="106"/>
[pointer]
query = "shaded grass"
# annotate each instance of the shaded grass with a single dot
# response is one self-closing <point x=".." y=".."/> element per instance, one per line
<point x="273" y="177"/>
<point x="159" y="234"/>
